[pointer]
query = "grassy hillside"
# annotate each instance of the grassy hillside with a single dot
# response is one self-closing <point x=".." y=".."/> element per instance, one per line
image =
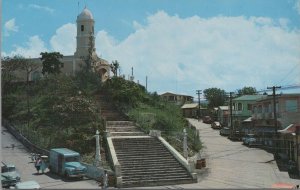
<point x="60" y="111"/>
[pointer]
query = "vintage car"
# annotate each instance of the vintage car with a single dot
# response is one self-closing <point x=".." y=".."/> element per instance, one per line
<point x="249" y="140"/>
<point x="28" y="185"/>
<point x="207" y="119"/>
<point x="9" y="175"/>
<point x="216" y="125"/>
<point x="225" y="131"/>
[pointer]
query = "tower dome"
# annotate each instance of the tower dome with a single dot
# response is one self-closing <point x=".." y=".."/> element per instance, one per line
<point x="85" y="15"/>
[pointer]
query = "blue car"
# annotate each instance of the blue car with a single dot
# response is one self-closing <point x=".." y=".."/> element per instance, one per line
<point x="249" y="140"/>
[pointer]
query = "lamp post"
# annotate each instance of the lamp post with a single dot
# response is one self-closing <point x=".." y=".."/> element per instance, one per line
<point x="185" y="151"/>
<point x="97" y="156"/>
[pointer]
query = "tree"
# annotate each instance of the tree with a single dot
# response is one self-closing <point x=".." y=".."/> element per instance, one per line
<point x="247" y="91"/>
<point x="51" y="62"/>
<point x="114" y="67"/>
<point x="91" y="58"/>
<point x="215" y="96"/>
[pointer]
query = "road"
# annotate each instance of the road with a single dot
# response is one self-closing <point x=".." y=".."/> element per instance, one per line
<point x="21" y="158"/>
<point x="233" y="165"/>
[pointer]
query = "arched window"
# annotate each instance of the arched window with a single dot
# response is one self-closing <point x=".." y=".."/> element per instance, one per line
<point x="82" y="28"/>
<point x="35" y="76"/>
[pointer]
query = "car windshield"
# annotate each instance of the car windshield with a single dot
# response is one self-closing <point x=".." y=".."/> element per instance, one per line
<point x="72" y="159"/>
<point x="7" y="169"/>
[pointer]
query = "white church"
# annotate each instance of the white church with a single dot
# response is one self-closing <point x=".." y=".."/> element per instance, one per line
<point x="73" y="63"/>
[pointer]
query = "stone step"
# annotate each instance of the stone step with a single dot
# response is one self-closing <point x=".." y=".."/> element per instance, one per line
<point x="146" y="163"/>
<point x="153" y="170"/>
<point x="144" y="153"/>
<point x="156" y="182"/>
<point x="119" y="123"/>
<point x="155" y="176"/>
<point x="137" y="147"/>
<point x="127" y="133"/>
<point x="155" y="151"/>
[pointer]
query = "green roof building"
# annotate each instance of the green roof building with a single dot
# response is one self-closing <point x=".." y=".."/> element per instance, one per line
<point x="242" y="108"/>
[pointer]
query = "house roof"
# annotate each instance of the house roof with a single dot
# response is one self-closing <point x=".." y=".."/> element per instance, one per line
<point x="290" y="129"/>
<point x="170" y="93"/>
<point x="270" y="97"/>
<point x="223" y="107"/>
<point x="249" y="97"/>
<point x="189" y="106"/>
<point x="248" y="119"/>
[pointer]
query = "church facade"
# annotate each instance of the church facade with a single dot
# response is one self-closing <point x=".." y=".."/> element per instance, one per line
<point x="85" y="43"/>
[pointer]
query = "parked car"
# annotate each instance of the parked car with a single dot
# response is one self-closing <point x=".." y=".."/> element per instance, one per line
<point x="249" y="140"/>
<point x="225" y="131"/>
<point x="216" y="125"/>
<point x="9" y="175"/>
<point x="28" y="185"/>
<point x="236" y="135"/>
<point x="207" y="119"/>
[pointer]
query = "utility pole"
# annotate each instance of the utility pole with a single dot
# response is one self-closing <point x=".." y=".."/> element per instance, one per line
<point x="230" y="108"/>
<point x="275" y="143"/>
<point x="199" y="92"/>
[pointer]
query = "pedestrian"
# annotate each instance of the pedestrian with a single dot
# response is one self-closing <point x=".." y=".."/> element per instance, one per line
<point x="43" y="166"/>
<point x="38" y="165"/>
<point x="105" y="180"/>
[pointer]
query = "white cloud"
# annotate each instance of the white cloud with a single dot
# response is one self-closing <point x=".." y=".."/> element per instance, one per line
<point x="10" y="26"/>
<point x="184" y="54"/>
<point x="64" y="40"/>
<point x="297" y="6"/>
<point x="42" y="8"/>
<point x="33" y="48"/>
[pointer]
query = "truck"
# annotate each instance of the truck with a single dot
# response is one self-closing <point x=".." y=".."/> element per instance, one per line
<point x="66" y="162"/>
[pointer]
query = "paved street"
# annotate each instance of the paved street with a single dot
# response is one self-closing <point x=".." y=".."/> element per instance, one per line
<point x="21" y="158"/>
<point x="233" y="165"/>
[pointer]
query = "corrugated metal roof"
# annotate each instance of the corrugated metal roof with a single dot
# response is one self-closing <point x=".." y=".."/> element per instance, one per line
<point x="189" y="106"/>
<point x="65" y="151"/>
<point x="249" y="97"/>
<point x="223" y="107"/>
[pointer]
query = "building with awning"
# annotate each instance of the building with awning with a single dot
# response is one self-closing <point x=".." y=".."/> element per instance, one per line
<point x="289" y="146"/>
<point x="191" y="110"/>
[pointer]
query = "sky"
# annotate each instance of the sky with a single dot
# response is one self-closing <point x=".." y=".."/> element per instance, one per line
<point x="180" y="45"/>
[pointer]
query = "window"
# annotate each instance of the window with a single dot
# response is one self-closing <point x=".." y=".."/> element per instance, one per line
<point x="82" y="28"/>
<point x="35" y="76"/>
<point x="254" y="109"/>
<point x="240" y="106"/>
<point x="249" y="107"/>
<point x="259" y="109"/>
<point x="291" y="105"/>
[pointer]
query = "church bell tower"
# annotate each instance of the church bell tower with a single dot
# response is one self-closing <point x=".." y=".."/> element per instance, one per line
<point x="85" y="30"/>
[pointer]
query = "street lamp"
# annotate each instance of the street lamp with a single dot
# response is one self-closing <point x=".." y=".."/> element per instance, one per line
<point x="97" y="156"/>
<point x="185" y="147"/>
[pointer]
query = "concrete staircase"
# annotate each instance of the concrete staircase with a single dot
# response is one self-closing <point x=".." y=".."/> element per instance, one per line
<point x="107" y="108"/>
<point x="139" y="160"/>
<point x="123" y="128"/>
<point x="146" y="162"/>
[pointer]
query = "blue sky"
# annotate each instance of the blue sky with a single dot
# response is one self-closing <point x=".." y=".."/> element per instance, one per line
<point x="181" y="45"/>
